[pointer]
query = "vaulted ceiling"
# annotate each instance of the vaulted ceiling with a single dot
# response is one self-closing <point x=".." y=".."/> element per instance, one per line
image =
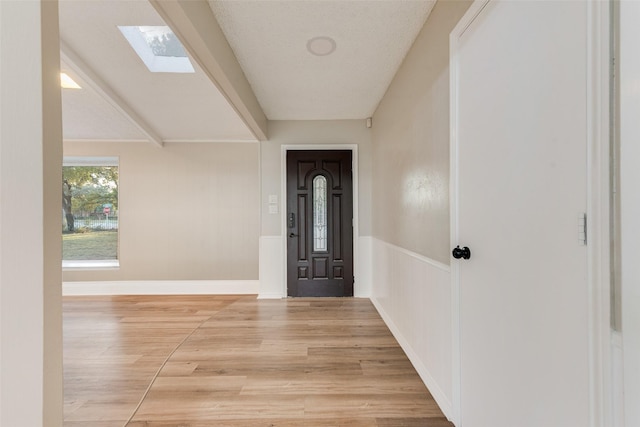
<point x="254" y="60"/>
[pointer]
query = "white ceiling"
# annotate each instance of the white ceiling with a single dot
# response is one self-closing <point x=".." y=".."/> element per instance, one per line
<point x="122" y="100"/>
<point x="86" y="115"/>
<point x="177" y="107"/>
<point x="269" y="39"/>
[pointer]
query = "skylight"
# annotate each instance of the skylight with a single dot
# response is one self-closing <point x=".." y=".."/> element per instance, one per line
<point x="67" y="82"/>
<point x="159" y="48"/>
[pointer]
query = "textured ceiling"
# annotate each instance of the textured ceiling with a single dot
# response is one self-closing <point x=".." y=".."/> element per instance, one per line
<point x="88" y="116"/>
<point x="176" y="107"/>
<point x="122" y="100"/>
<point x="269" y="39"/>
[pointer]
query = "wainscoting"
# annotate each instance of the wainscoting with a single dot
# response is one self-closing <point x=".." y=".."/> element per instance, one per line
<point x="272" y="267"/>
<point x="413" y="295"/>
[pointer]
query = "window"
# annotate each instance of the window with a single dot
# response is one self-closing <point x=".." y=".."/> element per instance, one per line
<point x="90" y="212"/>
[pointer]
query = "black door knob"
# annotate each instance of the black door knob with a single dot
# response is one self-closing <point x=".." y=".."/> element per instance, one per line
<point x="292" y="235"/>
<point x="464" y="253"/>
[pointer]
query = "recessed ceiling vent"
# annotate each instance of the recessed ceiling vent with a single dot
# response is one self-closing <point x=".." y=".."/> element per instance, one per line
<point x="321" y="46"/>
<point x="159" y="48"/>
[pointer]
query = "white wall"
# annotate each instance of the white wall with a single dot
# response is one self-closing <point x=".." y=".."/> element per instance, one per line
<point x="334" y="132"/>
<point x="410" y="245"/>
<point x="411" y="144"/>
<point x="30" y="207"/>
<point x="187" y="211"/>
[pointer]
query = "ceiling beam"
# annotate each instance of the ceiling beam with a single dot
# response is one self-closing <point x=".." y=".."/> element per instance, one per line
<point x="195" y="25"/>
<point x="90" y="77"/>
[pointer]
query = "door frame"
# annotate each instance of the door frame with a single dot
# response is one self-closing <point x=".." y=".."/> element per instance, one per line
<point x="283" y="202"/>
<point x="601" y="386"/>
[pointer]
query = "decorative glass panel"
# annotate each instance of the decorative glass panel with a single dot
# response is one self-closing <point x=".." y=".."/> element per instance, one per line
<point x="319" y="213"/>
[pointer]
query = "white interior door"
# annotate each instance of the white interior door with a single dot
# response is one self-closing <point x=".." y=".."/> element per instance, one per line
<point x="519" y="184"/>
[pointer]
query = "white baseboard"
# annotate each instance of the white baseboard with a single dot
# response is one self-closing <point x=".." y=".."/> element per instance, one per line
<point x="438" y="394"/>
<point x="278" y="295"/>
<point x="162" y="287"/>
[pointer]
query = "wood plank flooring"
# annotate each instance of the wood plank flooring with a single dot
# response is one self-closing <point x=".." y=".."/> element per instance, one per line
<point x="235" y="361"/>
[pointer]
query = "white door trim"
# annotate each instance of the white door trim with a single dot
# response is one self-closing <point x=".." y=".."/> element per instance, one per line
<point x="598" y="216"/>
<point x="472" y="13"/>
<point x="597" y="67"/>
<point x="283" y="200"/>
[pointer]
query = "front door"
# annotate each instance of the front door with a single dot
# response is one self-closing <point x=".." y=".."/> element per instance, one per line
<point x="520" y="132"/>
<point x="319" y="224"/>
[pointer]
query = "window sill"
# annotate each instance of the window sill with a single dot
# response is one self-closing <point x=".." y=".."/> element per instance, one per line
<point x="107" y="264"/>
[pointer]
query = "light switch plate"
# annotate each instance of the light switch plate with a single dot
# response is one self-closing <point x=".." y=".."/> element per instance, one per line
<point x="273" y="199"/>
<point x="273" y="209"/>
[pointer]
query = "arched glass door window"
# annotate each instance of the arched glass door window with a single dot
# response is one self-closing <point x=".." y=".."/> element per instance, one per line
<point x="319" y="213"/>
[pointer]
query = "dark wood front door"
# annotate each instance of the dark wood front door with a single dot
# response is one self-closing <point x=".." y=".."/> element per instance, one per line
<point x="319" y="224"/>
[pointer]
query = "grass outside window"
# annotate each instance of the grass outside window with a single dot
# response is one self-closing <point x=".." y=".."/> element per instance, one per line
<point x="92" y="245"/>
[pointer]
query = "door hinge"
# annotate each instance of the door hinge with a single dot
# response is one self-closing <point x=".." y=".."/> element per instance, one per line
<point x="582" y="229"/>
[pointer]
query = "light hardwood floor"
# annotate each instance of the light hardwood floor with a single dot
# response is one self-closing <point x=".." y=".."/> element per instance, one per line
<point x="196" y="361"/>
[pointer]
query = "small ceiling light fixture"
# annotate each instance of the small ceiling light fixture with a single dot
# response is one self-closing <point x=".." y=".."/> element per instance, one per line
<point x="321" y="46"/>
<point x="67" y="82"/>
